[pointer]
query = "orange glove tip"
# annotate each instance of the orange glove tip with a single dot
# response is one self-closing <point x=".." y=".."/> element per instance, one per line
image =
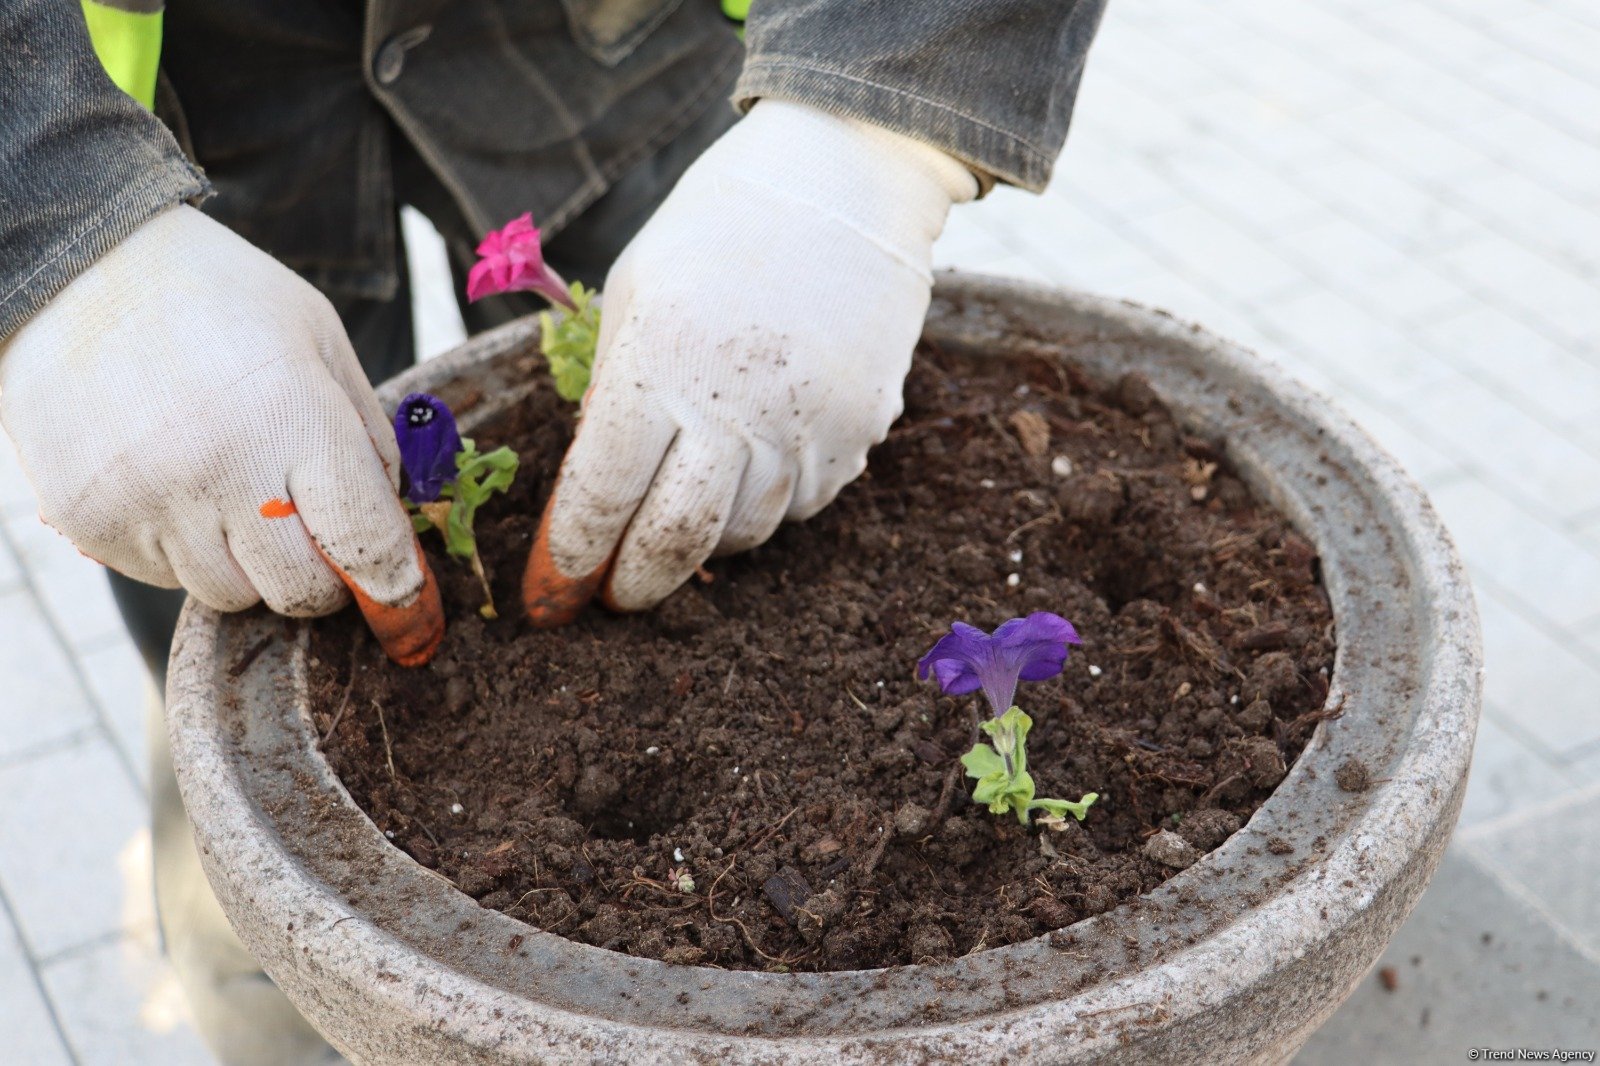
<point x="409" y="635"/>
<point x="549" y="597"/>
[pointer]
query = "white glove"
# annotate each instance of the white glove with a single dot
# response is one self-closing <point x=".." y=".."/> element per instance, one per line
<point x="754" y="343"/>
<point x="185" y="389"/>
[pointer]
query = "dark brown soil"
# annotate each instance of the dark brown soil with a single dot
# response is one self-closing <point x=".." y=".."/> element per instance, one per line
<point x="752" y="777"/>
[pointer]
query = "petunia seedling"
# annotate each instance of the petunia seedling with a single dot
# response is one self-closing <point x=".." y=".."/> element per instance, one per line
<point x="511" y="259"/>
<point x="967" y="660"/>
<point x="447" y="479"/>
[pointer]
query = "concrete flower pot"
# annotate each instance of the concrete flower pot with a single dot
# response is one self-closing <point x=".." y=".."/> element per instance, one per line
<point x="1237" y="959"/>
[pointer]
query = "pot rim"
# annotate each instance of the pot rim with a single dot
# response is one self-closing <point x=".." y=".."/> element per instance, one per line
<point x="315" y="889"/>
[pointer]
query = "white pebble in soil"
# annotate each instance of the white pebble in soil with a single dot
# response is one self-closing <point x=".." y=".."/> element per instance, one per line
<point x="456" y="808"/>
<point x="1013" y="580"/>
<point x="1016" y="555"/>
<point x="1199" y="588"/>
<point x="987" y="482"/>
<point x="652" y="750"/>
<point x="677" y="854"/>
<point x="1095" y="671"/>
<point x="1061" y="466"/>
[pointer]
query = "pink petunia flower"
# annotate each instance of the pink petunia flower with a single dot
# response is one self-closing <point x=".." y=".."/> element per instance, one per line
<point x="512" y="261"/>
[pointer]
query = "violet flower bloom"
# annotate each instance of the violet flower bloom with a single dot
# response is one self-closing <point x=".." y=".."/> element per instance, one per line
<point x="429" y="441"/>
<point x="513" y="261"/>
<point x="1024" y="649"/>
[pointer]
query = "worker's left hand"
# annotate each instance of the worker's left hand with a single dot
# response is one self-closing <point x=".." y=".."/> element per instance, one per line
<point x="755" y="339"/>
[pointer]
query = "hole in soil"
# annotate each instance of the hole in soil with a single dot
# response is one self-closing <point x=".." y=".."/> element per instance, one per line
<point x="614" y="804"/>
<point x="625" y="824"/>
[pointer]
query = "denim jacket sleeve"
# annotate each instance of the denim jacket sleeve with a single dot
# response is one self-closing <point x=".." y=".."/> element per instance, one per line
<point x="82" y="165"/>
<point x="991" y="82"/>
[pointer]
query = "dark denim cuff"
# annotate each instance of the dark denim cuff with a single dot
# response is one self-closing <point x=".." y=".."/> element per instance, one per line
<point x="990" y="153"/>
<point x="991" y="83"/>
<point x="81" y="164"/>
<point x="64" y="255"/>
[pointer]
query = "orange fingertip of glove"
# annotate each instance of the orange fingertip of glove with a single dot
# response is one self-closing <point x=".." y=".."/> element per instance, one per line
<point x="276" y="508"/>
<point x="549" y="597"/>
<point x="411" y="634"/>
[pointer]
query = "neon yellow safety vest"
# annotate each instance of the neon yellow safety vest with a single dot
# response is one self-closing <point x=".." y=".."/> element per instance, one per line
<point x="126" y="35"/>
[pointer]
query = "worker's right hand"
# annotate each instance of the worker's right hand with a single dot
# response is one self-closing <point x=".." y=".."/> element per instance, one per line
<point x="190" y="412"/>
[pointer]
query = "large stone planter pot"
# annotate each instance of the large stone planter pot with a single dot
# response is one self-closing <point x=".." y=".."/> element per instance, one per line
<point x="1237" y="959"/>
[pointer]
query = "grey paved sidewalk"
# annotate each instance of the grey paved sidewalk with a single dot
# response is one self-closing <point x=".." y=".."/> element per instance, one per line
<point x="1398" y="201"/>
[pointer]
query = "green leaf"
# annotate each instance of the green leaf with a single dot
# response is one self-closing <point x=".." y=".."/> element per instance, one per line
<point x="982" y="761"/>
<point x="1061" y="808"/>
<point x="478" y="476"/>
<point x="420" y="523"/>
<point x="1021" y="795"/>
<point x="994" y="791"/>
<point x="569" y="342"/>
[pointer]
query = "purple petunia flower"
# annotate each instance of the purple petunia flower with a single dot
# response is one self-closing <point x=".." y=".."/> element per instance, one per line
<point x="426" y="432"/>
<point x="1024" y="649"/>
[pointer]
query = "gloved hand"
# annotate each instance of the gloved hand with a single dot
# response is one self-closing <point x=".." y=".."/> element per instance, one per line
<point x="755" y="340"/>
<point x="190" y="413"/>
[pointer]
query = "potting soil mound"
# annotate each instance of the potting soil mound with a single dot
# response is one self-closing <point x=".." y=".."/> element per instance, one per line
<point x="751" y="776"/>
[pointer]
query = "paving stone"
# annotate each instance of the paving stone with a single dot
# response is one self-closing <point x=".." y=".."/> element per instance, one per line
<point x="67" y="819"/>
<point x="1409" y="146"/>
<point x="1553" y="36"/>
<point x="1525" y="208"/>
<point x="1542" y="686"/>
<point x="123" y="689"/>
<point x="1518" y="363"/>
<point x="1545" y="568"/>
<point x="1436" y="35"/>
<point x="1070" y="245"/>
<point x="1268" y="131"/>
<point x="1565" y="163"/>
<point x="43" y="700"/>
<point x="1475" y="966"/>
<point x="10" y="569"/>
<point x="1370" y="271"/>
<point x="121" y="1006"/>
<point x="1510" y="773"/>
<point x="1527" y="457"/>
<point x="1562" y="100"/>
<point x="1372" y="357"/>
<point x="1105" y="173"/>
<point x="72" y="587"/>
<point x="1554" y="299"/>
<point x="15" y="493"/>
<point x="1198" y="243"/>
<point x="1360" y="190"/>
<point x="1426" y="463"/>
<point x="1552" y="854"/>
<point x="1585" y="765"/>
<point x="30" y="1031"/>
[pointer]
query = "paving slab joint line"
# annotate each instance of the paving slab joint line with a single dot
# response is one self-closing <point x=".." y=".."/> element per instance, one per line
<point x="1431" y="189"/>
<point x="1520" y="891"/>
<point x="1576" y="755"/>
<point x="85" y="689"/>
<point x="53" y="746"/>
<point x="8" y="913"/>
<point x="142" y="930"/>
<point x="1471" y="835"/>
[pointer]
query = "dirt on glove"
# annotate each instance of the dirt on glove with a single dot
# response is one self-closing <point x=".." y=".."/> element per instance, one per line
<point x="751" y="776"/>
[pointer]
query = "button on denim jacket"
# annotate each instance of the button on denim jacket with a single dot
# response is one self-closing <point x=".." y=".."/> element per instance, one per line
<point x="295" y="116"/>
